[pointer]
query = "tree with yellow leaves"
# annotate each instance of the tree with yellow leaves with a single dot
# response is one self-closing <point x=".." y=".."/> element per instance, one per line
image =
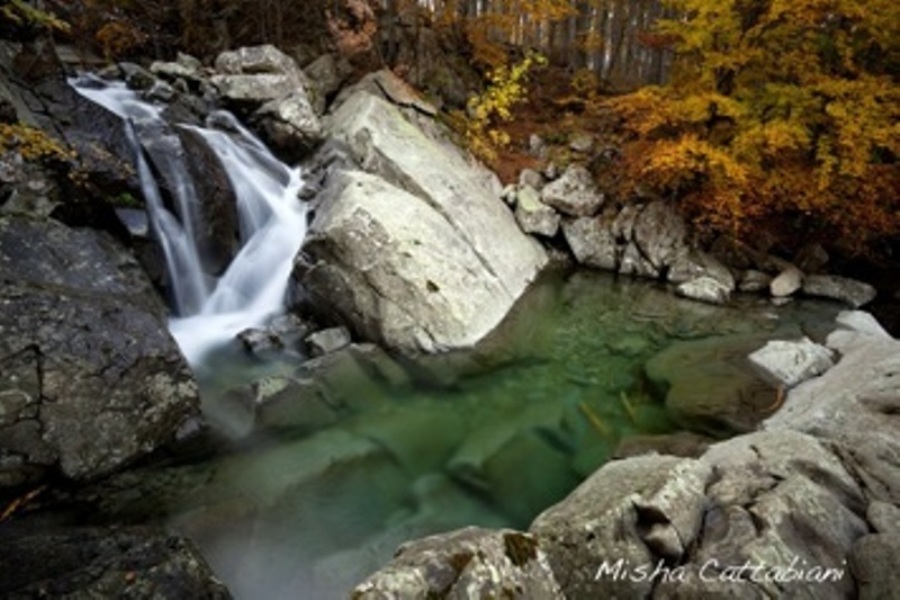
<point x="777" y="108"/>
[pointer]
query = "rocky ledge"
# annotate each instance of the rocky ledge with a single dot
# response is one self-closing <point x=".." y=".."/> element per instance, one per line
<point x="806" y="507"/>
<point x="90" y="379"/>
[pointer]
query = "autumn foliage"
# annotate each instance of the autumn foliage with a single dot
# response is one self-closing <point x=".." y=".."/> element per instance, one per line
<point x="784" y="109"/>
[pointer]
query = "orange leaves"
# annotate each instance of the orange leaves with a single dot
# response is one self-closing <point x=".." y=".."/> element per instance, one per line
<point x="779" y="109"/>
<point x="118" y="37"/>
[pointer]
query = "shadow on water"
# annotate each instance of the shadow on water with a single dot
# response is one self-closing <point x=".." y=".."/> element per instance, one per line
<point x="336" y="463"/>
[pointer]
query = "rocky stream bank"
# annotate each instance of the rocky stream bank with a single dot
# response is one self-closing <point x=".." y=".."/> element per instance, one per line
<point x="411" y="247"/>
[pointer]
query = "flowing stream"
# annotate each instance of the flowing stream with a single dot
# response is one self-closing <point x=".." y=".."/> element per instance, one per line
<point x="329" y="465"/>
<point x="210" y="311"/>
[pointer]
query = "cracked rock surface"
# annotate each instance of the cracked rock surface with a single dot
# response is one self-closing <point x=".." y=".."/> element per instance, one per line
<point x="89" y="377"/>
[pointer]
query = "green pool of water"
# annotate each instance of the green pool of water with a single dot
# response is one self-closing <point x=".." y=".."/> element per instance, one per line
<point x="348" y="460"/>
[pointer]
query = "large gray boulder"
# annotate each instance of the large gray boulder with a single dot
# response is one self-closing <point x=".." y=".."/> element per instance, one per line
<point x="419" y="252"/>
<point x="770" y="500"/>
<point x="89" y="377"/>
<point x="398" y="270"/>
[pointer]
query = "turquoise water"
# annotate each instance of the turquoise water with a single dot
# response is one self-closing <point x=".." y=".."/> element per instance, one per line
<point x="347" y="460"/>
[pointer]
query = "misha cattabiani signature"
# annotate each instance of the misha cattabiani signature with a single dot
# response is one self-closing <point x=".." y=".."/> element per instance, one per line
<point x="713" y="570"/>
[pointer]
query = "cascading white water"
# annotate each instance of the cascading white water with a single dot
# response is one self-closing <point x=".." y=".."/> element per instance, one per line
<point x="211" y="312"/>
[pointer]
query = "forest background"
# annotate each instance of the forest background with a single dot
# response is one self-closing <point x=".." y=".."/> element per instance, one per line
<point x="755" y="116"/>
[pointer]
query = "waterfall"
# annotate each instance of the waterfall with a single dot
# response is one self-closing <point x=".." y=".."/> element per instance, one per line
<point x="210" y="311"/>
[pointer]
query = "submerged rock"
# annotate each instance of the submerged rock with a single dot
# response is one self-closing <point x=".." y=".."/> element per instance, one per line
<point x="710" y="385"/>
<point x="90" y="378"/>
<point x="704" y="289"/>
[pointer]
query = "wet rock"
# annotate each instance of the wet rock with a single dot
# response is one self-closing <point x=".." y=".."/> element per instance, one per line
<point x="185" y="67"/>
<point x="27" y="188"/>
<point x="258" y="341"/>
<point x="327" y="341"/>
<point x="468" y="563"/>
<point x="852" y="292"/>
<point x="704" y="289"/>
<point x="104" y="563"/>
<point x="292" y="404"/>
<point x="523" y="498"/>
<point x="160" y="91"/>
<point x="533" y="215"/>
<point x="217" y="229"/>
<point x="83" y="334"/>
<point x="789" y="363"/>
<point x="592" y="242"/>
<point x="574" y="194"/>
<point x="787" y="282"/>
<point x="137" y="77"/>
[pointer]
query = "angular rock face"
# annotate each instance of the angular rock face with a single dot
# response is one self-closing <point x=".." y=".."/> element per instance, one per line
<point x="469" y="563"/>
<point x="89" y="377"/>
<point x="264" y="79"/>
<point x="752" y="500"/>
<point x="787" y="363"/>
<point x="855" y="403"/>
<point x="574" y="193"/>
<point x="592" y="242"/>
<point x="419" y="254"/>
